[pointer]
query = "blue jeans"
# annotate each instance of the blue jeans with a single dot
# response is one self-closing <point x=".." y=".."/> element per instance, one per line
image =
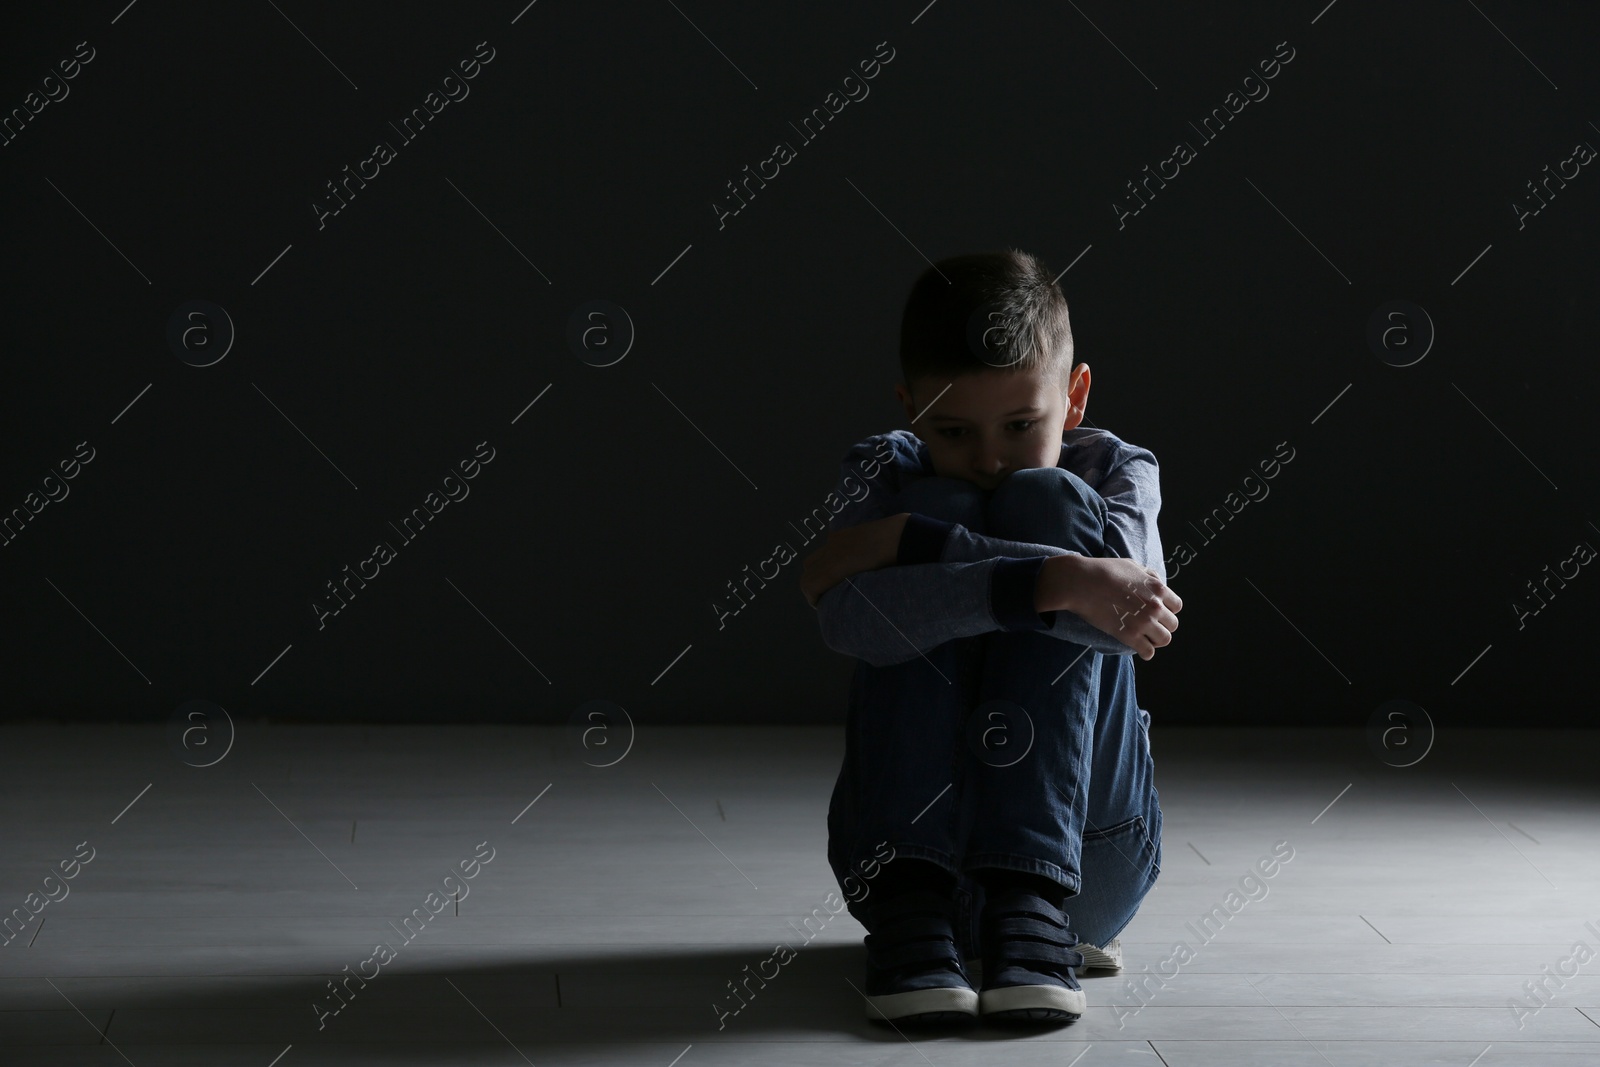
<point x="1005" y="749"/>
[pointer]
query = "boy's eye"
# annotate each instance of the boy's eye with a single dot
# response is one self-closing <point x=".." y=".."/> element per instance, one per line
<point x="952" y="432"/>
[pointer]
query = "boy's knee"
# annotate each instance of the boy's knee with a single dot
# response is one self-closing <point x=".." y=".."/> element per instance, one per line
<point x="1042" y="503"/>
<point x="946" y="499"/>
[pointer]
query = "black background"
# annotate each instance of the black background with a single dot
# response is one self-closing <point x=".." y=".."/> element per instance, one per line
<point x="1219" y="321"/>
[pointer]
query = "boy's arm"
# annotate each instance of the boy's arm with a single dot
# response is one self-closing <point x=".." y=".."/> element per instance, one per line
<point x="950" y="582"/>
<point x="1132" y="492"/>
<point x="896" y="613"/>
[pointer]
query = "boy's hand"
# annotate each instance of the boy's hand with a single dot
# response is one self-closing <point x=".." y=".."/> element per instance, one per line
<point x="1122" y="597"/>
<point x="864" y="547"/>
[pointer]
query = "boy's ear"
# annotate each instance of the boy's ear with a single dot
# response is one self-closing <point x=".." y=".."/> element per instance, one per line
<point x="905" y="402"/>
<point x="1077" y="398"/>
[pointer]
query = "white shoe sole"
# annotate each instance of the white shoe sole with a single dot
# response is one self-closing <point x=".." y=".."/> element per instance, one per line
<point x="1032" y="1001"/>
<point x="935" y="1004"/>
<point x="1108" y="958"/>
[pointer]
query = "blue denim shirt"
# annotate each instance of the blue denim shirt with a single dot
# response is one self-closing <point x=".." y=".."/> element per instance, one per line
<point x="950" y="582"/>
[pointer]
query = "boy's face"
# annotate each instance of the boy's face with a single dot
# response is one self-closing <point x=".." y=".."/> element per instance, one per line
<point x="985" y="426"/>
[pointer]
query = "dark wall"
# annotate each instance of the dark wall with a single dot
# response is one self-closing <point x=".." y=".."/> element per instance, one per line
<point x="375" y="349"/>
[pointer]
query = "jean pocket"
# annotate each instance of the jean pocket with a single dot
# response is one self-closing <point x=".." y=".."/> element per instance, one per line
<point x="1133" y="827"/>
<point x="1133" y="842"/>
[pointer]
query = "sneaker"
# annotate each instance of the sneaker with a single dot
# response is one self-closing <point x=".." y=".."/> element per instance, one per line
<point x="1028" y="961"/>
<point x="914" y="970"/>
<point x="1102" y="959"/>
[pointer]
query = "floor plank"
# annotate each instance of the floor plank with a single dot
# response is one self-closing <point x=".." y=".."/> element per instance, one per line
<point x="620" y="902"/>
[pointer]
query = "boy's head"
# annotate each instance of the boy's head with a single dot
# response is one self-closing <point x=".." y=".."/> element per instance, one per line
<point x="986" y="358"/>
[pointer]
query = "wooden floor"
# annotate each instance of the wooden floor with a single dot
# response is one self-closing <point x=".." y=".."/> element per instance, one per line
<point x="619" y="902"/>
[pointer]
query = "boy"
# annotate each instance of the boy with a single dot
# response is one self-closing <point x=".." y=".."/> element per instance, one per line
<point x="994" y="580"/>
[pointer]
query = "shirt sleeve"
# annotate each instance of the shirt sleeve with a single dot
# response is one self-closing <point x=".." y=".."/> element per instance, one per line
<point x="1131" y="490"/>
<point x="896" y="613"/>
<point x="1018" y="567"/>
<point x="951" y="582"/>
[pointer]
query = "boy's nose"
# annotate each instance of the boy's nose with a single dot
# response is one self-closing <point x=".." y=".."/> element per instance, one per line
<point x="991" y="478"/>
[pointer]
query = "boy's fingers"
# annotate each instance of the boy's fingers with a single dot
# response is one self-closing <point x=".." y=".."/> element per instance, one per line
<point x="1155" y="636"/>
<point x="1161" y="614"/>
<point x="1163" y="592"/>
